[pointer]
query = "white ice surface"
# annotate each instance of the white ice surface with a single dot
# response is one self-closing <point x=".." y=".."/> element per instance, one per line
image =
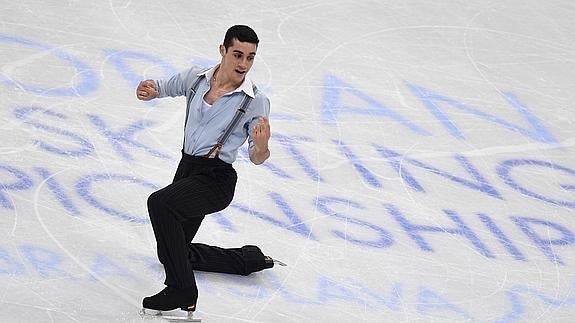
<point x="471" y="102"/>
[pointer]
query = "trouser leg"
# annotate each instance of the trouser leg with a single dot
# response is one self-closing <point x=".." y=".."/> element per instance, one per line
<point x="186" y="199"/>
<point x="171" y="243"/>
<point x="238" y="261"/>
<point x="191" y="227"/>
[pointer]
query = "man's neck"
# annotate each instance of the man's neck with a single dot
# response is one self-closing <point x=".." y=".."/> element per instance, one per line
<point x="222" y="81"/>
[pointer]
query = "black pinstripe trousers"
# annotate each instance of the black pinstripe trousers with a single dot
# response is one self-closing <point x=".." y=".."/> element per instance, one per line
<point x="201" y="186"/>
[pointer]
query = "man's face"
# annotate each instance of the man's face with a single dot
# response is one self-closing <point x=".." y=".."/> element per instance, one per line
<point x="238" y="59"/>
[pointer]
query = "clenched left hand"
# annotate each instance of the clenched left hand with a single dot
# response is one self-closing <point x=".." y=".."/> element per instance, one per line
<point x="261" y="134"/>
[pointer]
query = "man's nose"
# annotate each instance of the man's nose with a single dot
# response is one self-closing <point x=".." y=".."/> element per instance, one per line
<point x="243" y="63"/>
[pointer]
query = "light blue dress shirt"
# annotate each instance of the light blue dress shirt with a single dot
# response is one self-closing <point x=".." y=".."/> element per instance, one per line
<point x="204" y="129"/>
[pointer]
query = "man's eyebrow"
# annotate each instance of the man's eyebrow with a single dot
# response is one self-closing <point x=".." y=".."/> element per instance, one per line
<point x="240" y="52"/>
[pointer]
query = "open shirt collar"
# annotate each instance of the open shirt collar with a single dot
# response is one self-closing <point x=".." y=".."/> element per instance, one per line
<point x="246" y="86"/>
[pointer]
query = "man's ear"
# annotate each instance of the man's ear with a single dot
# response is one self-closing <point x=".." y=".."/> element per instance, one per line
<point x="222" y="50"/>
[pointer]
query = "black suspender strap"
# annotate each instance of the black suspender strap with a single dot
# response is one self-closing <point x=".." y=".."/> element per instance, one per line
<point x="190" y="95"/>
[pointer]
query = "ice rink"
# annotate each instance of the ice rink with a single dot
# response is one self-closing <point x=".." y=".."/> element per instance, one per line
<point x="422" y="169"/>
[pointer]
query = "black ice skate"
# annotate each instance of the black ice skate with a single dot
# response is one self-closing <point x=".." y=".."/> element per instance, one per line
<point x="169" y="299"/>
<point x="255" y="260"/>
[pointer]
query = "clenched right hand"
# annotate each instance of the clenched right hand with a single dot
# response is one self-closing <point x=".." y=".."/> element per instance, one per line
<point x="147" y="90"/>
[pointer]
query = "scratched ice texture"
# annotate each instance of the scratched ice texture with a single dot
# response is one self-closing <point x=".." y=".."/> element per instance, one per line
<point x="422" y="163"/>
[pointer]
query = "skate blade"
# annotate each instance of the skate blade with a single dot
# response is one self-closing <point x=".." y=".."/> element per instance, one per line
<point x="281" y="263"/>
<point x="170" y="316"/>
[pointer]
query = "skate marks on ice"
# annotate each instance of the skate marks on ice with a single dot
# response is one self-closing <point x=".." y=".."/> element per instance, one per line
<point x="458" y="208"/>
<point x="170" y="316"/>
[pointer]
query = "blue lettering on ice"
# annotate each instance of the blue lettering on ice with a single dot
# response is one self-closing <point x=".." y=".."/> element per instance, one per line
<point x="554" y="299"/>
<point x="356" y="163"/>
<point x="243" y="152"/>
<point x="289" y="144"/>
<point x="103" y="267"/>
<point x="542" y="240"/>
<point x="58" y="191"/>
<point x="126" y="137"/>
<point x="152" y="264"/>
<point x="120" y="59"/>
<point x="294" y="223"/>
<point x="392" y="302"/>
<point x="9" y="265"/>
<point x="247" y="287"/>
<point x="384" y="238"/>
<point x="278" y="285"/>
<point x="428" y="301"/>
<point x="501" y="237"/>
<point x="504" y="170"/>
<point x="517" y="310"/>
<point x="84" y="185"/>
<point x="46" y="262"/>
<point x="432" y="100"/>
<point x="85" y="147"/>
<point x="223" y="221"/>
<point x="464" y="230"/>
<point x="461" y="229"/>
<point x="88" y="82"/>
<point x="329" y="290"/>
<point x="23" y="182"/>
<point x="398" y="163"/>
<point x="332" y="105"/>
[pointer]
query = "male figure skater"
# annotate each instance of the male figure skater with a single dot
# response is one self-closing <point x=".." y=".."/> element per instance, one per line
<point x="205" y="180"/>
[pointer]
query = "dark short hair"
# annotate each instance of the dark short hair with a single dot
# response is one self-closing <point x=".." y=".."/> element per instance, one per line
<point x="241" y="33"/>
